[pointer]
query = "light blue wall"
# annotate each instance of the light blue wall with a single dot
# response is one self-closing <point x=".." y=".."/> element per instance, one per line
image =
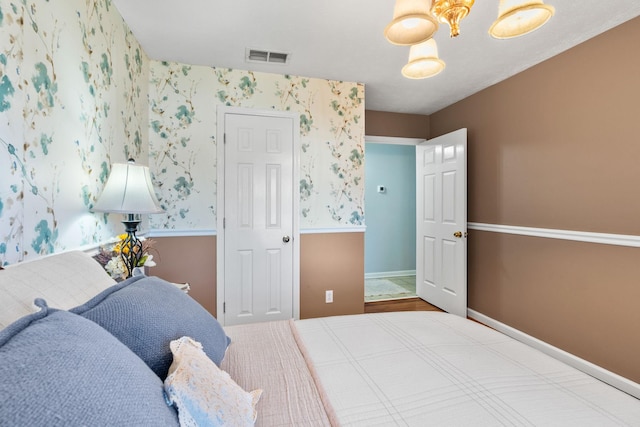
<point x="390" y="239"/>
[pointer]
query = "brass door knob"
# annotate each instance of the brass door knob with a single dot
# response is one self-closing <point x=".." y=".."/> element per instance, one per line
<point x="457" y="234"/>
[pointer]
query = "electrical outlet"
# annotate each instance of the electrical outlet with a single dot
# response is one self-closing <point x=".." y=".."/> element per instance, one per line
<point x="328" y="297"/>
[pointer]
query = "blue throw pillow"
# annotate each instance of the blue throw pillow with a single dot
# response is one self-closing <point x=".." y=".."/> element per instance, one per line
<point x="147" y="313"/>
<point x="57" y="368"/>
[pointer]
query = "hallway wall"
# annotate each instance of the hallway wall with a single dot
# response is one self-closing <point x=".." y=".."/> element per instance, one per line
<point x="390" y="243"/>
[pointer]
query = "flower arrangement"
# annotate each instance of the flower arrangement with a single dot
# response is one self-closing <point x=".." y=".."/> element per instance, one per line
<point x="111" y="259"/>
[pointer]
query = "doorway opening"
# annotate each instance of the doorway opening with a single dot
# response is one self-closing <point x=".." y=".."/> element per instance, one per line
<point x="390" y="207"/>
<point x="388" y="288"/>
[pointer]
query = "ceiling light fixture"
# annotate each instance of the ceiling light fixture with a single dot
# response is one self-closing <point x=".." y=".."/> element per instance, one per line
<point x="412" y="23"/>
<point x="416" y="21"/>
<point x="423" y="61"/>
<point x="518" y="17"/>
<point x="452" y="12"/>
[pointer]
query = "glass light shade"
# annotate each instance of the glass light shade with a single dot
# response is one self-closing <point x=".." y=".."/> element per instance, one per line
<point x="128" y="191"/>
<point x="412" y="23"/>
<point x="519" y="17"/>
<point x="423" y="61"/>
<point x="452" y="12"/>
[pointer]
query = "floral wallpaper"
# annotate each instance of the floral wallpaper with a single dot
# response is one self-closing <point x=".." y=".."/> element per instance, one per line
<point x="182" y="138"/>
<point x="73" y="99"/>
<point x="78" y="93"/>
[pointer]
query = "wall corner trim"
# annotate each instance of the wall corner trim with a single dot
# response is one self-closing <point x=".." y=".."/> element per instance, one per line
<point x="393" y="140"/>
<point x="352" y="229"/>
<point x="549" y="233"/>
<point x="191" y="233"/>
<point x="180" y="233"/>
<point x="611" y="378"/>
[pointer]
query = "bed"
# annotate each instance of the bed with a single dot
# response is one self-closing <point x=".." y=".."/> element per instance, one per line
<point x="97" y="353"/>
<point x="413" y="369"/>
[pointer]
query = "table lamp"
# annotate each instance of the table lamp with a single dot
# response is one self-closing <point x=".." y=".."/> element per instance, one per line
<point x="129" y="191"/>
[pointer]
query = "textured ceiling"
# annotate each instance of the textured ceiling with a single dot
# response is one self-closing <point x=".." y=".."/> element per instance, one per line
<point x="343" y="40"/>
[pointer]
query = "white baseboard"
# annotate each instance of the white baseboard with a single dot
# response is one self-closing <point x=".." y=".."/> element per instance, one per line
<point x="587" y="367"/>
<point x="390" y="274"/>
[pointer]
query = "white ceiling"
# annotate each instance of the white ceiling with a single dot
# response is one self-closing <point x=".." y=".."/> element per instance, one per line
<point x="343" y="40"/>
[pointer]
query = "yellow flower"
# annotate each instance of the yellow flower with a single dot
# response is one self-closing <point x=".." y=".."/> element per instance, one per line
<point x="113" y="258"/>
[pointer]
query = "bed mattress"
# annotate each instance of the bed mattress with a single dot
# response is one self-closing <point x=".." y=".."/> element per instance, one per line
<point x="431" y="368"/>
<point x="413" y="369"/>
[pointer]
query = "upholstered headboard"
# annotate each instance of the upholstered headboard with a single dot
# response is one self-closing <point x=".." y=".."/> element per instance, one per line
<point x="64" y="280"/>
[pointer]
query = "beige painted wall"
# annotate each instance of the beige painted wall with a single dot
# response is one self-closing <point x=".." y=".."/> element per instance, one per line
<point x="382" y="123"/>
<point x="192" y="260"/>
<point x="557" y="146"/>
<point x="581" y="297"/>
<point x="331" y="261"/>
<point x="327" y="261"/>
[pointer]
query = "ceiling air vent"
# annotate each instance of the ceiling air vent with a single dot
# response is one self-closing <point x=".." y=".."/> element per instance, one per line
<point x="256" y="55"/>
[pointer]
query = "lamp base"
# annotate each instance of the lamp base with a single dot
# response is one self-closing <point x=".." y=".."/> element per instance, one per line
<point x="131" y="250"/>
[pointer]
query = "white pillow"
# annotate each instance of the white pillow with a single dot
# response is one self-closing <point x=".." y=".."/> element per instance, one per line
<point x="204" y="394"/>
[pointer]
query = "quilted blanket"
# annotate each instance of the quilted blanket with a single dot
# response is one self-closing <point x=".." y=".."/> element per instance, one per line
<point x="267" y="356"/>
<point x="431" y="368"/>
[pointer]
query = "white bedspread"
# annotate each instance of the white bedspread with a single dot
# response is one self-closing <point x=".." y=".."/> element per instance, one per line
<point x="431" y="368"/>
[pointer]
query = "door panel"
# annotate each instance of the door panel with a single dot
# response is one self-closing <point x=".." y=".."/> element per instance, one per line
<point x="258" y="213"/>
<point x="245" y="261"/>
<point x="429" y="261"/>
<point x="274" y="197"/>
<point x="441" y="267"/>
<point x="245" y="196"/>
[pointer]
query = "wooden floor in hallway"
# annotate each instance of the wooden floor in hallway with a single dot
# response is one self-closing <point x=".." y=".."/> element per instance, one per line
<point x="407" y="304"/>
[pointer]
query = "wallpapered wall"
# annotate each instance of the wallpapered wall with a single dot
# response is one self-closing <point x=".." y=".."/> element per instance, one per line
<point x="73" y="99"/>
<point x="183" y="101"/>
<point x="78" y="93"/>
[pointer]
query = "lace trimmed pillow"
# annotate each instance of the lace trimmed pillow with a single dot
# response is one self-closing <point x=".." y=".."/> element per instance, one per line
<point x="204" y="394"/>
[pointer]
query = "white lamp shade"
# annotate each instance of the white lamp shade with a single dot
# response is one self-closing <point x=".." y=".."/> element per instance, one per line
<point x="520" y="17"/>
<point x="128" y="191"/>
<point x="423" y="61"/>
<point x="412" y="22"/>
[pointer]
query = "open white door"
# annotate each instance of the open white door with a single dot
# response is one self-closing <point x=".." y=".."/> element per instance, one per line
<point x="441" y="252"/>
